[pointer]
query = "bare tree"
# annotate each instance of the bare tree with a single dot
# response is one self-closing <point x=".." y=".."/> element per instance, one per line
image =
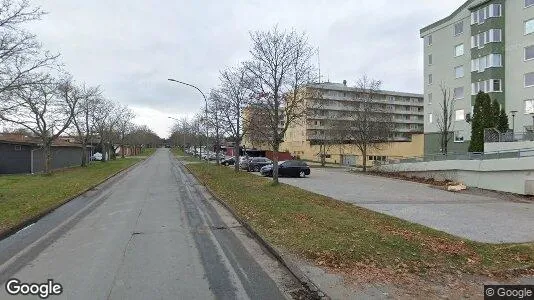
<point x="103" y="121"/>
<point x="21" y="55"/>
<point x="445" y="119"/>
<point x="215" y="118"/>
<point x="44" y="110"/>
<point x="124" y="126"/>
<point x="234" y="98"/>
<point x="85" y="99"/>
<point x="371" y="123"/>
<point x="280" y="66"/>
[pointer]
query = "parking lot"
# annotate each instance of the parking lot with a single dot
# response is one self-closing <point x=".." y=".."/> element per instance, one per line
<point x="480" y="218"/>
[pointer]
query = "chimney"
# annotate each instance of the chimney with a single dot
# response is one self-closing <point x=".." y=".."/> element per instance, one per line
<point x="344" y="82"/>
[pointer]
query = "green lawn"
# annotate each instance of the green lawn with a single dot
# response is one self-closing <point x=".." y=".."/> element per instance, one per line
<point x="25" y="196"/>
<point x="341" y="235"/>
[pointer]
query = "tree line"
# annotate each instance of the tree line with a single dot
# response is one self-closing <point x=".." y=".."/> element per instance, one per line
<point x="263" y="96"/>
<point x="40" y="98"/>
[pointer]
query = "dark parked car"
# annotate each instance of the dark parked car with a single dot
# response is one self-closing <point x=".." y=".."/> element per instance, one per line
<point x="228" y="162"/>
<point x="293" y="168"/>
<point x="254" y="164"/>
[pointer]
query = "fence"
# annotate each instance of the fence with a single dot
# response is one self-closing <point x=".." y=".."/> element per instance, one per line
<point x="514" y="153"/>
<point x="491" y="135"/>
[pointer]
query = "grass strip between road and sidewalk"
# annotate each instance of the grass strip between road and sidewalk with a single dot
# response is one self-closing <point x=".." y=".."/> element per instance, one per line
<point x="25" y="197"/>
<point x="344" y="236"/>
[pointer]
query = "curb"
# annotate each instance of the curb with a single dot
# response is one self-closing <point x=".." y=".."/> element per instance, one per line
<point x="25" y="223"/>
<point x="313" y="289"/>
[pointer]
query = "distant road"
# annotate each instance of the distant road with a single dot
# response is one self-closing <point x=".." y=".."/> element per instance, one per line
<point x="155" y="236"/>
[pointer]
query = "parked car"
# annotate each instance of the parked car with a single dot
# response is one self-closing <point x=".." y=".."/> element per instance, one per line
<point x="96" y="156"/>
<point x="293" y="168"/>
<point x="256" y="163"/>
<point x="229" y="161"/>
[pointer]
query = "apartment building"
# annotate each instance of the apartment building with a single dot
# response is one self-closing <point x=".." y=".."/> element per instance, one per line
<point x="485" y="45"/>
<point x="337" y="102"/>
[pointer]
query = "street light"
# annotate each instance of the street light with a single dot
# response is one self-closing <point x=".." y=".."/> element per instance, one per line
<point x="205" y="101"/>
<point x="182" y="133"/>
<point x="513" y="112"/>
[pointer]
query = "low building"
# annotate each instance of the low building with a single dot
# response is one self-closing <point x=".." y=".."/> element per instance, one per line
<point x="20" y="154"/>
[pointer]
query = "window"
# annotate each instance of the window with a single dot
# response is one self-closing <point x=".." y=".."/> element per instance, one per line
<point x="474" y="17"/>
<point x="458" y="136"/>
<point x="488" y="61"/>
<point x="459" y="50"/>
<point x="529" y="52"/>
<point x="495" y="35"/>
<point x="496" y="85"/>
<point x="429" y="40"/>
<point x="430" y="99"/>
<point x="495" y="10"/>
<point x="460" y="116"/>
<point x="18" y="147"/>
<point x="529" y="3"/>
<point x="458" y="93"/>
<point x="459" y="72"/>
<point x="529" y="26"/>
<point x="495" y="60"/>
<point x="491" y="11"/>
<point x="429" y="78"/>
<point x="430" y="59"/>
<point x="529" y="106"/>
<point x="529" y="79"/>
<point x="430" y="118"/>
<point x="458" y="28"/>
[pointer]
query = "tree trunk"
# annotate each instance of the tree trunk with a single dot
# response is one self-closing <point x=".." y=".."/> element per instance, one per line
<point x="364" y="154"/>
<point x="84" y="154"/>
<point x="47" y="158"/>
<point x="323" y="155"/>
<point x="104" y="152"/>
<point x="276" y="147"/>
<point x="122" y="151"/>
<point x="237" y="147"/>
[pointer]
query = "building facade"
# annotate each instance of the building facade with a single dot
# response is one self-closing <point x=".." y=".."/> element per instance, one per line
<point x="485" y="45"/>
<point x="338" y="101"/>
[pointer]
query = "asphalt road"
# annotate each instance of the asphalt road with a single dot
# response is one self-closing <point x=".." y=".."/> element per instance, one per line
<point x="485" y="218"/>
<point x="152" y="234"/>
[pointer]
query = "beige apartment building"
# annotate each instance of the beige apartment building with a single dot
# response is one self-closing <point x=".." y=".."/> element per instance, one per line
<point x="485" y="45"/>
<point x="303" y="139"/>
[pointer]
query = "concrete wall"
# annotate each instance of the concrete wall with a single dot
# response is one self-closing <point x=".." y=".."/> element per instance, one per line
<point x="490" y="147"/>
<point x="507" y="175"/>
<point x="14" y="161"/>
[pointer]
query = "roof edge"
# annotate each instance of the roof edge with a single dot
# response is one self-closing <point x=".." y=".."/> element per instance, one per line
<point x="446" y="19"/>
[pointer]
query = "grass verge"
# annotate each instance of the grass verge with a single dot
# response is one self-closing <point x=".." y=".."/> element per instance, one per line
<point x="23" y="197"/>
<point x="340" y="235"/>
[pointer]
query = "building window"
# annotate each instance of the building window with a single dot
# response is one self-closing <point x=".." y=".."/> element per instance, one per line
<point x="529" y="26"/>
<point x="529" y="79"/>
<point x="429" y="40"/>
<point x="430" y="118"/>
<point x="18" y="147"/>
<point x="458" y="93"/>
<point x="529" y="52"/>
<point x="458" y="28"/>
<point x="430" y="99"/>
<point x="430" y="59"/>
<point x="495" y="35"/>
<point x="529" y="106"/>
<point x="488" y="61"/>
<point x="459" y="50"/>
<point x="496" y="85"/>
<point x="458" y="137"/>
<point x="460" y="116"/>
<point x="459" y="72"/>
<point x="529" y="3"/>
<point x="429" y="78"/>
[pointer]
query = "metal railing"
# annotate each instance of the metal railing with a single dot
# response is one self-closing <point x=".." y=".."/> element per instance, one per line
<point x="514" y="153"/>
<point x="491" y="135"/>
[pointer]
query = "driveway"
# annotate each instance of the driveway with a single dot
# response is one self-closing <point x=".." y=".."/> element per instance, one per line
<point x="475" y="217"/>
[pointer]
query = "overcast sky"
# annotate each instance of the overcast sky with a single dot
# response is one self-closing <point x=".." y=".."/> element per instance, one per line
<point x="131" y="47"/>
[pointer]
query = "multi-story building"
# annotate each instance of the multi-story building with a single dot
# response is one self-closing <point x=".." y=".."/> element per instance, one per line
<point x="338" y="103"/>
<point x="485" y="45"/>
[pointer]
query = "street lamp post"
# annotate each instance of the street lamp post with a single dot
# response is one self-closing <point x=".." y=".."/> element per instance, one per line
<point x="513" y="112"/>
<point x="183" y="133"/>
<point x="206" y="109"/>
